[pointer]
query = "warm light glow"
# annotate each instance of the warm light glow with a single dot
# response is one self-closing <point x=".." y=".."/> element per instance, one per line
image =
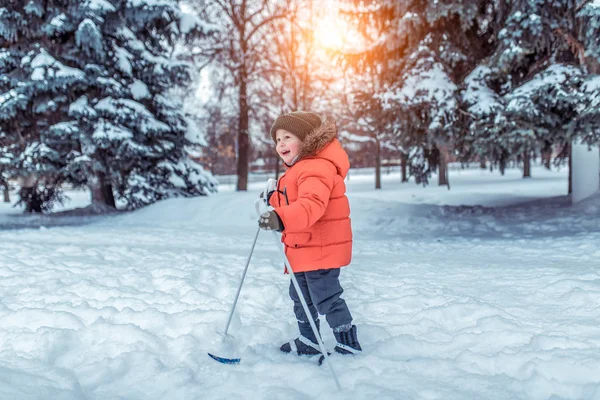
<point x="331" y="33"/>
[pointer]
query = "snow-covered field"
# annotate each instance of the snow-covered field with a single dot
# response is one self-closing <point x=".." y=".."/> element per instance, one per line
<point x="488" y="291"/>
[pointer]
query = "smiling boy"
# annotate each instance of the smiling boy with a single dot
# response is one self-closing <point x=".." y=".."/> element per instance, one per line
<point x="312" y="211"/>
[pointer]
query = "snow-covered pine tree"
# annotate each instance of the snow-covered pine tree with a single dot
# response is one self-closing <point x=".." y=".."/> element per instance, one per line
<point x="483" y="119"/>
<point x="86" y="96"/>
<point x="425" y="108"/>
<point x="25" y="96"/>
<point x="424" y="50"/>
<point x="538" y="113"/>
<point x="587" y="28"/>
<point x="587" y="123"/>
<point x="530" y="94"/>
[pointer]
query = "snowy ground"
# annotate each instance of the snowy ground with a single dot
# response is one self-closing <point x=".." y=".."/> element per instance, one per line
<point x="488" y="291"/>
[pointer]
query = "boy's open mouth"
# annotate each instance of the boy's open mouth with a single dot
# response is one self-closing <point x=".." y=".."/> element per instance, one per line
<point x="285" y="152"/>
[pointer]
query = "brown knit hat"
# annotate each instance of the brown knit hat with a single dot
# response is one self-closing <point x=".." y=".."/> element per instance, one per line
<point x="299" y="123"/>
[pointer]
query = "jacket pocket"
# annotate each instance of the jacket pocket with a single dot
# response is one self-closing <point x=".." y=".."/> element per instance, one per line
<point x="297" y="240"/>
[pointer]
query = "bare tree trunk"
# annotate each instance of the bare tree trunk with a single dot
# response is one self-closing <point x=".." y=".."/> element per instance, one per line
<point x="404" y="167"/>
<point x="377" y="163"/>
<point x="243" y="140"/>
<point x="6" y="195"/>
<point x="527" y="164"/>
<point x="443" y="167"/>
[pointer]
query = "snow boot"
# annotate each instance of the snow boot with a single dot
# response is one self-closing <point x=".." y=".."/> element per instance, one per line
<point x="301" y="346"/>
<point x="305" y="344"/>
<point x="347" y="341"/>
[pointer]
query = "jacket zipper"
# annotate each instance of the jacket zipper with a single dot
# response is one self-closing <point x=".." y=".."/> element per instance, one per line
<point x="287" y="202"/>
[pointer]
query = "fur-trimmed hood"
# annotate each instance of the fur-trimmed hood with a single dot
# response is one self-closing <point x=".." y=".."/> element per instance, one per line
<point x="323" y="143"/>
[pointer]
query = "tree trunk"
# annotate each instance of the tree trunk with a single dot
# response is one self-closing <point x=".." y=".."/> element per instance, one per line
<point x="28" y="193"/>
<point x="443" y="167"/>
<point x="277" y="167"/>
<point x="404" y="167"/>
<point x="109" y="195"/>
<point x="102" y="192"/>
<point x="547" y="159"/>
<point x="526" y="164"/>
<point x="570" y="152"/>
<point x="377" y="163"/>
<point x="243" y="140"/>
<point x="482" y="163"/>
<point x="6" y="195"/>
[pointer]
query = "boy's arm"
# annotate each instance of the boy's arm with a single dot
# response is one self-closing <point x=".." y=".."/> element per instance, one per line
<point x="314" y="188"/>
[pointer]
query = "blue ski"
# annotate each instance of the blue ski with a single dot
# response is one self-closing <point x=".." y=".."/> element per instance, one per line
<point x="225" y="360"/>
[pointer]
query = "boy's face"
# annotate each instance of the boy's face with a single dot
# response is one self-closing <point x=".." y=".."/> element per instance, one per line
<point x="288" y="145"/>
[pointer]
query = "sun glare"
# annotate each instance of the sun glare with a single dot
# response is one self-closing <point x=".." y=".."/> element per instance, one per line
<point x="331" y="33"/>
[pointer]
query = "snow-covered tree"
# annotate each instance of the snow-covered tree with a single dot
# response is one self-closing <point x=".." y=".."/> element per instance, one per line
<point x="423" y="50"/>
<point x="86" y="97"/>
<point x="530" y="95"/>
<point x="425" y="105"/>
<point x="365" y="121"/>
<point x="586" y="30"/>
<point x="476" y="55"/>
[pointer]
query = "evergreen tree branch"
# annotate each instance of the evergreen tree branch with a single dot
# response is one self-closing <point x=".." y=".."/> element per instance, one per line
<point x="575" y="44"/>
<point x="581" y="5"/>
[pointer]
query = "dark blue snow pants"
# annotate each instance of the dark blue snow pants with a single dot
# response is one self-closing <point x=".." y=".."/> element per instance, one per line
<point x="322" y="291"/>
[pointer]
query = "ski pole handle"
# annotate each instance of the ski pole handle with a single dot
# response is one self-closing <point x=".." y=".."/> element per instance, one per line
<point x="262" y="203"/>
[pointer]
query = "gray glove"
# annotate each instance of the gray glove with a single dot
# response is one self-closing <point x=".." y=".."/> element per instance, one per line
<point x="270" y="221"/>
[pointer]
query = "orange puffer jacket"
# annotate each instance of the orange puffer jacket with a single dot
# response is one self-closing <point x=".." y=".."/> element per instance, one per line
<point x="312" y="204"/>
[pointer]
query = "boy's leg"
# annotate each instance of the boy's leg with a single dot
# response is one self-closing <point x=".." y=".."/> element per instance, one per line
<point x="303" y="324"/>
<point x="306" y="344"/>
<point x="325" y="291"/>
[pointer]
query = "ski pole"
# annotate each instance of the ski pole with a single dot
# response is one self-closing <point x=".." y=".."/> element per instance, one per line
<point x="237" y="295"/>
<point x="226" y="360"/>
<point x="306" y="310"/>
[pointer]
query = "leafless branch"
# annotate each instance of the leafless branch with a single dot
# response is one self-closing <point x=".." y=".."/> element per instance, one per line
<point x="263" y="23"/>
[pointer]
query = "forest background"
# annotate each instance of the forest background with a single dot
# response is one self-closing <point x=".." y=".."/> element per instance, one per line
<point x="142" y="100"/>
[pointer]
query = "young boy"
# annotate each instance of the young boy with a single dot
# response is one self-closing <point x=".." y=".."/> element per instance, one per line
<point x="312" y="212"/>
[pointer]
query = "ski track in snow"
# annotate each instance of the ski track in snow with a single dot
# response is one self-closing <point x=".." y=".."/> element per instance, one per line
<point x="451" y="302"/>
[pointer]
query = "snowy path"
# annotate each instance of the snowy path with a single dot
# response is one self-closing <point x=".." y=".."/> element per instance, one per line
<point x="451" y="303"/>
